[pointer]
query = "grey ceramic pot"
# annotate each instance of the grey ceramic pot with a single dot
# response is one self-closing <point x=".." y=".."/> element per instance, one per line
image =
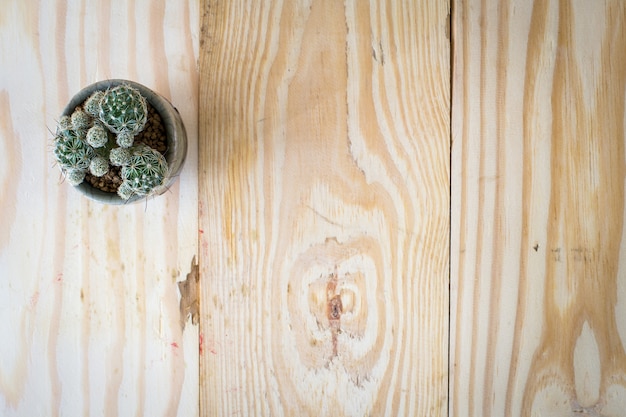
<point x="174" y="129"/>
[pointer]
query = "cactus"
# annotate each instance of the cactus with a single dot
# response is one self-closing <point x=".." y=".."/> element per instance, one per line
<point x="119" y="156"/>
<point x="125" y="191"/>
<point x="98" y="166"/>
<point x="92" y="104"/>
<point x="145" y="171"/>
<point x="125" y="139"/>
<point x="71" y="151"/>
<point x="102" y="133"/>
<point x="124" y="111"/>
<point x="81" y="120"/>
<point x="97" y="136"/>
<point x="65" y="123"/>
<point x="75" y="177"/>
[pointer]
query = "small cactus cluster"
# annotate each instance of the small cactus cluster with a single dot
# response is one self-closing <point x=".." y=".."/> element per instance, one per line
<point x="101" y="133"/>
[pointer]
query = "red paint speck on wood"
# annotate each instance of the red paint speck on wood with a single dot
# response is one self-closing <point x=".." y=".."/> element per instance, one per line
<point x="205" y="247"/>
<point x="34" y="299"/>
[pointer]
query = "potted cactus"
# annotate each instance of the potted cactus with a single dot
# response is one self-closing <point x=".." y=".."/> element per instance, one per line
<point x="118" y="142"/>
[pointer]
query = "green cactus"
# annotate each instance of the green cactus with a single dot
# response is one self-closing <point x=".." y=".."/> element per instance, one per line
<point x="123" y="109"/>
<point x="65" y="123"/>
<point x="92" y="104"/>
<point x="98" y="166"/>
<point x="145" y="171"/>
<point x="75" y="177"/>
<point x="125" y="139"/>
<point x="125" y="191"/>
<point x="71" y="151"/>
<point x="84" y="142"/>
<point x="81" y="120"/>
<point x="119" y="156"/>
<point x="97" y="136"/>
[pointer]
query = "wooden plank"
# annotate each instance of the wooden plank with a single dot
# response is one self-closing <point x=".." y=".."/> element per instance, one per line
<point x="90" y="308"/>
<point x="538" y="280"/>
<point x="324" y="207"/>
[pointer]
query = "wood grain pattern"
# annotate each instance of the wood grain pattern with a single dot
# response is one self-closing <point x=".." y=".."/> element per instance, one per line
<point x="90" y="316"/>
<point x="538" y="284"/>
<point x="324" y="207"/>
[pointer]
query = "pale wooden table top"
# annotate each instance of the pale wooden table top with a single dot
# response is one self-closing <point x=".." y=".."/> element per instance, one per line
<point x="394" y="212"/>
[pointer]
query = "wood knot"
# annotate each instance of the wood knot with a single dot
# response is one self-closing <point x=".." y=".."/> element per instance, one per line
<point x="335" y="308"/>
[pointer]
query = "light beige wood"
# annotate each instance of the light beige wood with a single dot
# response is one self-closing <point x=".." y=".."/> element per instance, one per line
<point x="537" y="258"/>
<point x="90" y="306"/>
<point x="324" y="207"/>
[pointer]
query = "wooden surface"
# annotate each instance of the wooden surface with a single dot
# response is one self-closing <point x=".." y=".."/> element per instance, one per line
<point x="89" y="312"/>
<point x="320" y="214"/>
<point x="538" y="317"/>
<point x="324" y="207"/>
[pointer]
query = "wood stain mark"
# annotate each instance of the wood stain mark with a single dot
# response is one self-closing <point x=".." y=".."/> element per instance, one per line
<point x="213" y="346"/>
<point x="115" y="355"/>
<point x="334" y="309"/>
<point x="142" y="306"/>
<point x="158" y="53"/>
<point x="13" y="164"/>
<point x="448" y="24"/>
<point x="54" y="376"/>
<point x="34" y="299"/>
<point x="190" y="295"/>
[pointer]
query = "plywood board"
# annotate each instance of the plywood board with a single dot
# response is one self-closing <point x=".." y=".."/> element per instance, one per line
<point x="324" y="207"/>
<point x="90" y="307"/>
<point x="537" y="258"/>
